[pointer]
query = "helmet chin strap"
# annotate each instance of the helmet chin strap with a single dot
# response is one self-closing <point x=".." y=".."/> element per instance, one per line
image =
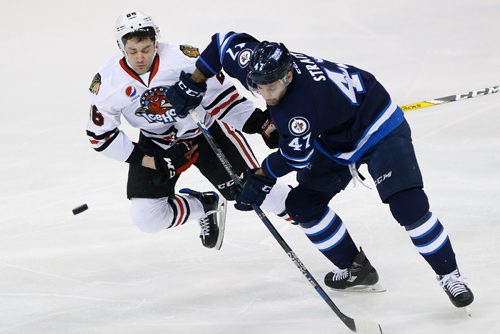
<point x="156" y="49"/>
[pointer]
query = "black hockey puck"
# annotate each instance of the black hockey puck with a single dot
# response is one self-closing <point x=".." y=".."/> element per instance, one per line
<point x="80" y="209"/>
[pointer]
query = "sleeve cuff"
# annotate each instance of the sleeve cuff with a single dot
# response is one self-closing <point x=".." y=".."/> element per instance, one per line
<point x="275" y="166"/>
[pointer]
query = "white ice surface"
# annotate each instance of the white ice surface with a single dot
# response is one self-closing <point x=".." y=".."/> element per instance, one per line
<point x="95" y="273"/>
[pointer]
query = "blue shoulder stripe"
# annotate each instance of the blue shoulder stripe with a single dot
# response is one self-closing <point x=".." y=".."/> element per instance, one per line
<point x="226" y="41"/>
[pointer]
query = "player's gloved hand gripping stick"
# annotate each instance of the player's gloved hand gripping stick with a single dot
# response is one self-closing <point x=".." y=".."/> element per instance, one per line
<point x="186" y="94"/>
<point x="254" y="191"/>
<point x="361" y="326"/>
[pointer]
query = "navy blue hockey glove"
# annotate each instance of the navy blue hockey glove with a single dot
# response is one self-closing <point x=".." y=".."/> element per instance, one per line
<point x="186" y="94"/>
<point x="260" y="122"/>
<point x="174" y="160"/>
<point x="254" y="191"/>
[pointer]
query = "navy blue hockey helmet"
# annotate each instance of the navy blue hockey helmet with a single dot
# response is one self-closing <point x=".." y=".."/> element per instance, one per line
<point x="269" y="62"/>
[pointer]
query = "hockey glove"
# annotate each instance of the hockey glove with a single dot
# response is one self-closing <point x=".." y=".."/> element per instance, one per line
<point x="186" y="94"/>
<point x="175" y="160"/>
<point x="254" y="191"/>
<point x="260" y="122"/>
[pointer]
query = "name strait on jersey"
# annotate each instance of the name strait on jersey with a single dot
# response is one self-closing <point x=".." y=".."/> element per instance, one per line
<point x="313" y="69"/>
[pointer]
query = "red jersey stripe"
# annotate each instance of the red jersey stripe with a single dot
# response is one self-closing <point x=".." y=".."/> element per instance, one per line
<point x="243" y="147"/>
<point x="225" y="104"/>
<point x="181" y="211"/>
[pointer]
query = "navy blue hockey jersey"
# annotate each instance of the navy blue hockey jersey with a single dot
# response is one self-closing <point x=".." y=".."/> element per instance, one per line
<point x="336" y="109"/>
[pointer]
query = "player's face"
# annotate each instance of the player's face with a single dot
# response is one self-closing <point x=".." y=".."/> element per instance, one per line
<point x="274" y="92"/>
<point x="140" y="54"/>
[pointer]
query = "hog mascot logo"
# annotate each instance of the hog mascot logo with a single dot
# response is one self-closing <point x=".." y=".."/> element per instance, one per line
<point x="155" y="106"/>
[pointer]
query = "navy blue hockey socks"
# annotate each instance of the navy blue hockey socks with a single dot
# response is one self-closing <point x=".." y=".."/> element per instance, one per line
<point x="331" y="237"/>
<point x="432" y="242"/>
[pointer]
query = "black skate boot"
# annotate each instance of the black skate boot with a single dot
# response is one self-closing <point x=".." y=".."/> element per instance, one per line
<point x="213" y="222"/>
<point x="361" y="276"/>
<point x="456" y="288"/>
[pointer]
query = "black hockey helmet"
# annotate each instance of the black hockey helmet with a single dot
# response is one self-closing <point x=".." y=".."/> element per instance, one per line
<point x="269" y="62"/>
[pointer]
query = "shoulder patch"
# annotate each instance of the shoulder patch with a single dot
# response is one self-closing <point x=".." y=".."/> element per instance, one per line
<point x="244" y="57"/>
<point x="96" y="84"/>
<point x="190" y="51"/>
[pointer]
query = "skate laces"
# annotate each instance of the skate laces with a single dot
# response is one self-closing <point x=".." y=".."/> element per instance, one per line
<point x="453" y="283"/>
<point x="205" y="226"/>
<point x="340" y="274"/>
<point x="205" y="222"/>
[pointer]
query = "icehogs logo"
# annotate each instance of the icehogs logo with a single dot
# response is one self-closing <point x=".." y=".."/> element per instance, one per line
<point x="298" y="126"/>
<point x="155" y="106"/>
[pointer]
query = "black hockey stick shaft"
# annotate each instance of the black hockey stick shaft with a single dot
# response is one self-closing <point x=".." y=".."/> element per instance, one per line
<point x="352" y="324"/>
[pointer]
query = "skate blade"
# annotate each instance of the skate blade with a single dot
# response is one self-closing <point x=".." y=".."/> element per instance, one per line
<point x="377" y="288"/>
<point x="221" y="221"/>
<point x="467" y="311"/>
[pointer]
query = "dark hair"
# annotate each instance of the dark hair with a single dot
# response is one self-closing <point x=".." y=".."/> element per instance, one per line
<point x="140" y="34"/>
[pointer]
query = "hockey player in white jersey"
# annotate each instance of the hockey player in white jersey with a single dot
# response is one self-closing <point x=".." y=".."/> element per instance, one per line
<point x="133" y="85"/>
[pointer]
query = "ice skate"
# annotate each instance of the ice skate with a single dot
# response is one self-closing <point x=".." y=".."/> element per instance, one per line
<point x="360" y="277"/>
<point x="212" y="223"/>
<point x="457" y="289"/>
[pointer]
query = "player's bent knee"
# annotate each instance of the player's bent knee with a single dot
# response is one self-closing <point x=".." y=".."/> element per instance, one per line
<point x="150" y="215"/>
<point x="304" y="205"/>
<point x="409" y="205"/>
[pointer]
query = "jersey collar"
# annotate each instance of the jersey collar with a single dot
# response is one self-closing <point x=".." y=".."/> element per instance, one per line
<point x="154" y="69"/>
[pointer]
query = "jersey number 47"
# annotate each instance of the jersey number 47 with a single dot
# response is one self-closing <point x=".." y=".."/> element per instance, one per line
<point x="348" y="83"/>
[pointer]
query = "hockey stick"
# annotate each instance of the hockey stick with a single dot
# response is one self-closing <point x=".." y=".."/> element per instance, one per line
<point x="451" y="98"/>
<point x="361" y="326"/>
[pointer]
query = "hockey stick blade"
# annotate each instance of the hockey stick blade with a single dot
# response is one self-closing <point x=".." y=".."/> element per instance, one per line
<point x="352" y="324"/>
<point x="367" y="327"/>
<point x="451" y="98"/>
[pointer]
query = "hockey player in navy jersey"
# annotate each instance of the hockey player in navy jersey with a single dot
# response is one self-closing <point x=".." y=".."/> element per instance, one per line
<point x="133" y="85"/>
<point x="331" y="118"/>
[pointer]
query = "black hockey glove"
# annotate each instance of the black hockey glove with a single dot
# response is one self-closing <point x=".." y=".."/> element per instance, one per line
<point x="175" y="160"/>
<point x="260" y="122"/>
<point x="185" y="94"/>
<point x="254" y="191"/>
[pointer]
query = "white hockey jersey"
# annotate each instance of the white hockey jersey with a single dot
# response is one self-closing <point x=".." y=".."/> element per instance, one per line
<point x="117" y="90"/>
